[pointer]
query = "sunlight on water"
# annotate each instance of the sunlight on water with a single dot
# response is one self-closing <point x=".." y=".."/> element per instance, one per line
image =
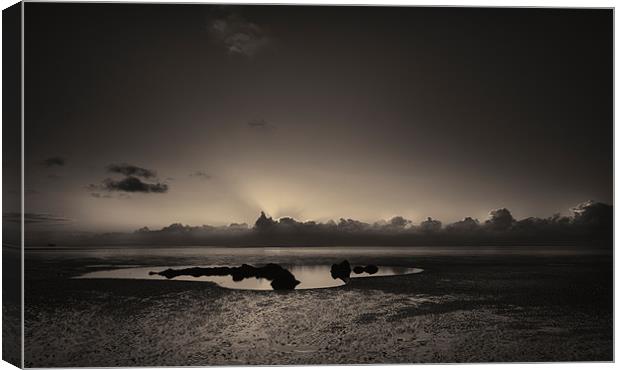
<point x="310" y="276"/>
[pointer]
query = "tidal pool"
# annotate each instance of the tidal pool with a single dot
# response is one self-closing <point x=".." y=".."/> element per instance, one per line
<point x="309" y="276"/>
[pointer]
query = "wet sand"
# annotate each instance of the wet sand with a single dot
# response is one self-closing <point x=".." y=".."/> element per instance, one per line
<point x="460" y="309"/>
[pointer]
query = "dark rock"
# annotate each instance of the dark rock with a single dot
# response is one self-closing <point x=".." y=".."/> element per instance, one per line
<point x="341" y="271"/>
<point x="284" y="281"/>
<point x="371" y="269"/>
<point x="281" y="278"/>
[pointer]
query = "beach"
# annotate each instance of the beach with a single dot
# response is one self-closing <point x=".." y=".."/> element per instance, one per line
<point x="465" y="307"/>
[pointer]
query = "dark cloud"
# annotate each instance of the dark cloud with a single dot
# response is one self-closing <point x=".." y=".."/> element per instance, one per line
<point x="99" y="195"/>
<point x="239" y="36"/>
<point x="260" y="124"/>
<point x="399" y="222"/>
<point x="201" y="175"/>
<point x="593" y="213"/>
<point x="430" y="225"/>
<point x="35" y="218"/>
<point x="395" y="224"/>
<point x="500" y="219"/>
<point x="132" y="184"/>
<point x="264" y="223"/>
<point x="54" y="161"/>
<point x="131" y="170"/>
<point x="467" y="224"/>
<point x="351" y="225"/>
<point x="501" y="228"/>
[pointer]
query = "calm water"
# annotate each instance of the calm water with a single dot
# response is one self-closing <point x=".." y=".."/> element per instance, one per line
<point x="243" y="253"/>
<point x="310" y="276"/>
<point x="310" y="265"/>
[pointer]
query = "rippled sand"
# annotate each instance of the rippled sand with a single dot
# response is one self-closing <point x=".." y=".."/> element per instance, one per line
<point x="459" y="310"/>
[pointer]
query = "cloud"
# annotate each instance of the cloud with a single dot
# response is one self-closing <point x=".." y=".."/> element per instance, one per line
<point x="239" y="36"/>
<point x="399" y="222"/>
<point x="131" y="170"/>
<point x="593" y="213"/>
<point x="350" y="225"/>
<point x="430" y="225"/>
<point x="132" y="184"/>
<point x="590" y="227"/>
<point x="99" y="195"/>
<point x="500" y="219"/>
<point x="201" y="175"/>
<point x="264" y="223"/>
<point x="260" y="124"/>
<point x="54" y="161"/>
<point x="35" y="218"/>
<point x="465" y="225"/>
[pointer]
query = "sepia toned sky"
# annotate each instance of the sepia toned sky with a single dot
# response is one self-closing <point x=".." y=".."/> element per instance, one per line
<point x="142" y="114"/>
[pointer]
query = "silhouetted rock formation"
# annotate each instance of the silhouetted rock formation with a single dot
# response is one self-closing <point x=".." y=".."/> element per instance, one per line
<point x="370" y="269"/>
<point x="341" y="271"/>
<point x="281" y="278"/>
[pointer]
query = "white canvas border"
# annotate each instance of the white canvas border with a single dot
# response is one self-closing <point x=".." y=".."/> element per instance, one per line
<point x="496" y="3"/>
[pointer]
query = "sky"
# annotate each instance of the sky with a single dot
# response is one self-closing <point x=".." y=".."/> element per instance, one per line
<point x="144" y="115"/>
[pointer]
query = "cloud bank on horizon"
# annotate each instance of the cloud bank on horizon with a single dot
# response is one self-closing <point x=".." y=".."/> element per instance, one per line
<point x="590" y="223"/>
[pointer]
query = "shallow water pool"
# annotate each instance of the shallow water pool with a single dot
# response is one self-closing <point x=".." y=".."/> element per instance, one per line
<point x="309" y="276"/>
